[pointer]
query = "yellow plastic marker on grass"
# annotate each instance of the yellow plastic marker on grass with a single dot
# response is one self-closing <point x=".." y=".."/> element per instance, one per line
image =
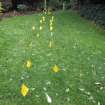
<point x="33" y="28"/>
<point x="29" y="64"/>
<point x="50" y="44"/>
<point x="56" y="69"/>
<point x="51" y="24"/>
<point x="52" y="17"/>
<point x="40" y="28"/>
<point x="24" y="90"/>
<point x="43" y="18"/>
<point x="41" y="21"/>
<point x="51" y="28"/>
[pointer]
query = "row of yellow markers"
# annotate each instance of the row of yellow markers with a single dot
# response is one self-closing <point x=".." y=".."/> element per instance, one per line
<point x="28" y="64"/>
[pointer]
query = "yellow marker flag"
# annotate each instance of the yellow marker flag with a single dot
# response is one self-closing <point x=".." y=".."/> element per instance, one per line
<point x="51" y="28"/>
<point x="33" y="28"/>
<point x="50" y="44"/>
<point x="41" y="21"/>
<point x="56" y="69"/>
<point x="24" y="90"/>
<point x="51" y="24"/>
<point x="29" y="64"/>
<point x="52" y="17"/>
<point x="41" y="28"/>
<point x="43" y="18"/>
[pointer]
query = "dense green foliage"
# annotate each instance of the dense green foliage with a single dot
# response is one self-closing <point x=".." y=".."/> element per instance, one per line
<point x="95" y="13"/>
<point x="1" y="7"/>
<point x="79" y="50"/>
<point x="22" y="7"/>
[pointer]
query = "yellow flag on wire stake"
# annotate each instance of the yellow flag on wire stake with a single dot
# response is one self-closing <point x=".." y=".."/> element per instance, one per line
<point x="33" y="28"/>
<point x="56" y="69"/>
<point x="43" y="18"/>
<point x="24" y="90"/>
<point x="41" y="21"/>
<point x="40" y="28"/>
<point x="51" y="28"/>
<point x="29" y="64"/>
<point x="50" y="44"/>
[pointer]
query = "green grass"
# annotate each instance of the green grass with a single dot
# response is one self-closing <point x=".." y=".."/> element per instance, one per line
<point x="79" y="50"/>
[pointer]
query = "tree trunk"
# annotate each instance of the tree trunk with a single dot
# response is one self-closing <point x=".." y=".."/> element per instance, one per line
<point x="45" y="4"/>
<point x="64" y="6"/>
<point x="14" y="4"/>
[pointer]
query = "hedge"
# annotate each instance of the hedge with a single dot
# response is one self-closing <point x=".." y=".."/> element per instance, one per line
<point x="94" y="12"/>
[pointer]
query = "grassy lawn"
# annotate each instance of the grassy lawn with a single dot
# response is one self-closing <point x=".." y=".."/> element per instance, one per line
<point x="78" y="50"/>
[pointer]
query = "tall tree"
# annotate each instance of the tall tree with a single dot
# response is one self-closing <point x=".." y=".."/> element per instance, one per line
<point x="14" y="4"/>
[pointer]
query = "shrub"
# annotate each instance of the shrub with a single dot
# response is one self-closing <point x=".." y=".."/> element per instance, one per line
<point x="40" y="5"/>
<point x="1" y="7"/>
<point x="58" y="4"/>
<point x="54" y="4"/>
<point x="73" y="3"/>
<point x="1" y="11"/>
<point x="94" y="12"/>
<point x="7" y="5"/>
<point x="22" y="7"/>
